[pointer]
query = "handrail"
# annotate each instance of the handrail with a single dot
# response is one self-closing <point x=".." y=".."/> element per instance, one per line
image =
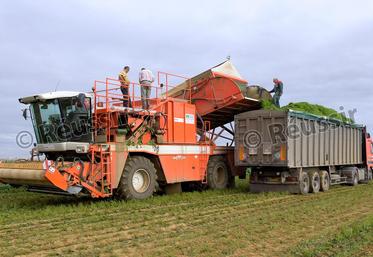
<point x="106" y="97"/>
<point x="167" y="75"/>
<point x="105" y="91"/>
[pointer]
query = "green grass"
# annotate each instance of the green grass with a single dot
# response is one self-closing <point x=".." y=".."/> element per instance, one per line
<point x="348" y="241"/>
<point x="314" y="109"/>
<point x="210" y="223"/>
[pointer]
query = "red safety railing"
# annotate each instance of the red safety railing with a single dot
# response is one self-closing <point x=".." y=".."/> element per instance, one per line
<point x="164" y="79"/>
<point x="108" y="93"/>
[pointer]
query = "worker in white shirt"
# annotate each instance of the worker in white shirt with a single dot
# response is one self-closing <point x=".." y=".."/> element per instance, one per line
<point x="146" y="79"/>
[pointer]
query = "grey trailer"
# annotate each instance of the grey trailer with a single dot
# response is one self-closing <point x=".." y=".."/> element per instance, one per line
<point x="299" y="152"/>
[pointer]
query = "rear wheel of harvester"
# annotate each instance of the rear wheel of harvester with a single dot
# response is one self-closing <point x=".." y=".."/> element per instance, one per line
<point x="218" y="175"/>
<point x="324" y="181"/>
<point x="304" y="183"/>
<point x="314" y="181"/>
<point x="138" y="179"/>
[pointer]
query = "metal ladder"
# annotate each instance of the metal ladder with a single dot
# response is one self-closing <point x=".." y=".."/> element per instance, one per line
<point x="100" y="172"/>
<point x="203" y="162"/>
<point x="205" y="154"/>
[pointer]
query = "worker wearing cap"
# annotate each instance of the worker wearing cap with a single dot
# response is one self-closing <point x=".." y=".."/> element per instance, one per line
<point x="146" y="79"/>
<point x="124" y="85"/>
<point x="277" y="89"/>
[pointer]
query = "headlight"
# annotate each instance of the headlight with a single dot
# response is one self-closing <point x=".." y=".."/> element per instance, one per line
<point x="81" y="149"/>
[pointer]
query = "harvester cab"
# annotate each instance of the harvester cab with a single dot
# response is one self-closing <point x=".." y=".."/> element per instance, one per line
<point x="62" y="123"/>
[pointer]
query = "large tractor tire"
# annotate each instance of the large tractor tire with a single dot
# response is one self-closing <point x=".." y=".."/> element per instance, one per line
<point x="324" y="180"/>
<point x="218" y="175"/>
<point x="314" y="181"/>
<point x="304" y="183"/>
<point x="139" y="179"/>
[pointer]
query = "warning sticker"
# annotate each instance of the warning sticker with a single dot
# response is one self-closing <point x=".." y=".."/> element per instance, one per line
<point x="189" y="118"/>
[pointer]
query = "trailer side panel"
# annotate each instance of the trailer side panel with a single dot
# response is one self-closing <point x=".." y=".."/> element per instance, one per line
<point x="308" y="141"/>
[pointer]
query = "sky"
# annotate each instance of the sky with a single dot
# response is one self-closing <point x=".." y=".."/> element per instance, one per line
<point x="321" y="50"/>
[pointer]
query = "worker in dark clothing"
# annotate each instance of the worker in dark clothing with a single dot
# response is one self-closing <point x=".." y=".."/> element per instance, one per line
<point x="124" y="86"/>
<point x="277" y="89"/>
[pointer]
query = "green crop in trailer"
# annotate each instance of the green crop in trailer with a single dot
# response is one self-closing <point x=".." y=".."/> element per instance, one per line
<point x="314" y="109"/>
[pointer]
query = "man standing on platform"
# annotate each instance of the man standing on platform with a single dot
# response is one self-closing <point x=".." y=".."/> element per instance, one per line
<point x="146" y="79"/>
<point x="124" y="86"/>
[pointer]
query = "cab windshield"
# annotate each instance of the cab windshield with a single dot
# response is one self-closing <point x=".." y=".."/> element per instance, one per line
<point x="62" y="120"/>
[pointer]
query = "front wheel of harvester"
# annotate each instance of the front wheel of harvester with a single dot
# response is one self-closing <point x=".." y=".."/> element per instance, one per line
<point x="324" y="181"/>
<point x="138" y="179"/>
<point x="217" y="173"/>
<point x="304" y="183"/>
<point x="314" y="182"/>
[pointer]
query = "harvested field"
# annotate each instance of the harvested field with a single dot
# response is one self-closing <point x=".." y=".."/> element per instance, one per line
<point x="212" y="223"/>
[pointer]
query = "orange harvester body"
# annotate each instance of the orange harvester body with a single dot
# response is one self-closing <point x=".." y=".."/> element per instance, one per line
<point x="173" y="133"/>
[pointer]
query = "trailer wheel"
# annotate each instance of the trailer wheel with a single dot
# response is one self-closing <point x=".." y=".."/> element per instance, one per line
<point x="138" y="179"/>
<point x="314" y="181"/>
<point x="304" y="183"/>
<point x="217" y="173"/>
<point x="324" y="181"/>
